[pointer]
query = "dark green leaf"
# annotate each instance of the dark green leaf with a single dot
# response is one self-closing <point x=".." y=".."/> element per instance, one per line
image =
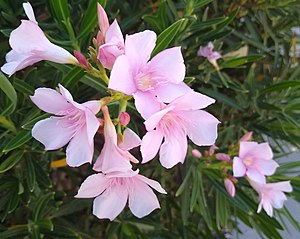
<point x="10" y="92"/>
<point x="11" y="161"/>
<point x="21" y="138"/>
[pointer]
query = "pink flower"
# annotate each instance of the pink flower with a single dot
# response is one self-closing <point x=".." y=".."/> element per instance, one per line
<point x="255" y="161"/>
<point x="223" y="157"/>
<point x="114" y="156"/>
<point x="181" y="118"/>
<point x="229" y="186"/>
<point x="271" y="195"/>
<point x="247" y="136"/>
<point x="207" y="51"/>
<point x="75" y="123"/>
<point x="124" y="118"/>
<point x="30" y="45"/>
<point x="102" y="20"/>
<point x="114" y="189"/>
<point x="162" y="76"/>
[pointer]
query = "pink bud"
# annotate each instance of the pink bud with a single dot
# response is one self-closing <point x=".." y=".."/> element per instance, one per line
<point x="196" y="153"/>
<point x="102" y="20"/>
<point x="247" y="136"/>
<point x="100" y="38"/>
<point x="82" y="60"/>
<point x="223" y="157"/>
<point x="124" y="118"/>
<point x="229" y="186"/>
<point x="212" y="149"/>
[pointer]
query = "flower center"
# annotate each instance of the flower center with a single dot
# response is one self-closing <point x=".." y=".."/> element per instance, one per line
<point x="144" y="82"/>
<point x="248" y="161"/>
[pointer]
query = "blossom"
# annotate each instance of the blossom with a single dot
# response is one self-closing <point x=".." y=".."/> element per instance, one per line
<point x="271" y="195"/>
<point x="30" y="45"/>
<point x="173" y="123"/>
<point x="223" y="157"/>
<point x="124" y="118"/>
<point x="255" y="161"/>
<point x="135" y="74"/>
<point x="229" y="186"/>
<point x="247" y="136"/>
<point x="207" y="51"/>
<point x="110" y="41"/>
<point x="73" y="122"/>
<point x="114" y="189"/>
<point x="196" y="153"/>
<point x="114" y="156"/>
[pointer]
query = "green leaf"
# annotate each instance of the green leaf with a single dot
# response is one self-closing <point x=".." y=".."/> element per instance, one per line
<point x="280" y="86"/>
<point x="167" y="36"/>
<point x="201" y="3"/>
<point x="45" y="223"/>
<point x="184" y="183"/>
<point x="30" y="174"/>
<point x="231" y="63"/>
<point x="21" y="138"/>
<point x="10" y="92"/>
<point x="11" y="161"/>
<point x="72" y="77"/>
<point x="40" y="206"/>
<point x="17" y="231"/>
<point x="41" y="176"/>
<point x="62" y="232"/>
<point x="28" y="125"/>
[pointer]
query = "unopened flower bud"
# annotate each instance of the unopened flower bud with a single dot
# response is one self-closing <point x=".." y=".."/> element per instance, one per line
<point x="82" y="60"/>
<point x="212" y="149"/>
<point x="124" y="118"/>
<point x="247" y="136"/>
<point x="229" y="186"/>
<point x="223" y="157"/>
<point x="196" y="153"/>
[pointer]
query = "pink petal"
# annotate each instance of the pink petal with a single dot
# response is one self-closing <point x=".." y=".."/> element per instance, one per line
<point x="134" y="43"/>
<point x="268" y="208"/>
<point x="59" y="55"/>
<point x="278" y="199"/>
<point x="79" y="150"/>
<point x="130" y="140"/>
<point x="93" y="105"/>
<point x="255" y="175"/>
<point x="214" y="56"/>
<point x="111" y="203"/>
<point x="142" y="199"/>
<point x="93" y="186"/>
<point x="121" y="78"/>
<point x="168" y="65"/>
<point x="229" y="186"/>
<point x="153" y="121"/>
<point x="51" y="133"/>
<point x="281" y="186"/>
<point x="150" y="145"/>
<point x="123" y="174"/>
<point x="102" y="19"/>
<point x="192" y="101"/>
<point x="170" y="91"/>
<point x="114" y="34"/>
<point x="173" y="150"/>
<point x="108" y="53"/>
<point x="92" y="126"/>
<point x="247" y="148"/>
<point x="50" y="101"/>
<point x="263" y="151"/>
<point x="201" y="127"/>
<point x="29" y="12"/>
<point x="239" y="169"/>
<point x="146" y="103"/>
<point x="266" y="167"/>
<point x="152" y="183"/>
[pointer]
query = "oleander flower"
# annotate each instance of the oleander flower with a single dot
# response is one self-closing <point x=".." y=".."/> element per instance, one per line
<point x="113" y="190"/>
<point x="30" y="45"/>
<point x="73" y="122"/>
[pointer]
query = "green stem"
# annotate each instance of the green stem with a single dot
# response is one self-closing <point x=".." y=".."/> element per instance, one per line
<point x="7" y="124"/>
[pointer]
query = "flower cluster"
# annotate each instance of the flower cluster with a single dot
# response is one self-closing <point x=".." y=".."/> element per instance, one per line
<point x="172" y="113"/>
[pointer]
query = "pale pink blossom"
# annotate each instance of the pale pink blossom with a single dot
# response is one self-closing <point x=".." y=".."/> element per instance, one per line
<point x="223" y="157"/>
<point x="229" y="186"/>
<point x="114" y="156"/>
<point x="255" y="161"/>
<point x="196" y="153"/>
<point x="103" y="22"/>
<point x="207" y="51"/>
<point x="124" y="118"/>
<point x="135" y="74"/>
<point x="30" y="45"/>
<point x="73" y="122"/>
<point x="113" y="190"/>
<point x="271" y="195"/>
<point x="247" y="136"/>
<point x="173" y="123"/>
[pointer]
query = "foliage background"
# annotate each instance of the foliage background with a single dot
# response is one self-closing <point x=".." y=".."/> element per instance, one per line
<point x="258" y="92"/>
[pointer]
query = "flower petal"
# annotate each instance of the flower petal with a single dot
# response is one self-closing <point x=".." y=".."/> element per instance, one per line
<point x="50" y="101"/>
<point x="152" y="183"/>
<point x="102" y="19"/>
<point x="284" y="186"/>
<point x="51" y="133"/>
<point x="114" y="34"/>
<point x="256" y="176"/>
<point x="108" y="53"/>
<point x="146" y="103"/>
<point x="263" y="151"/>
<point x="92" y="125"/>
<point x="79" y="150"/>
<point x="92" y="186"/>
<point x="153" y="121"/>
<point x="134" y="43"/>
<point x="121" y="76"/>
<point x="93" y="105"/>
<point x="201" y="127"/>
<point x="29" y="12"/>
<point x="168" y="65"/>
<point x="150" y="145"/>
<point x="173" y="150"/>
<point x="142" y="199"/>
<point x="239" y="169"/>
<point x="111" y="203"/>
<point x="266" y="167"/>
<point x="130" y="140"/>
<point x="170" y="91"/>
